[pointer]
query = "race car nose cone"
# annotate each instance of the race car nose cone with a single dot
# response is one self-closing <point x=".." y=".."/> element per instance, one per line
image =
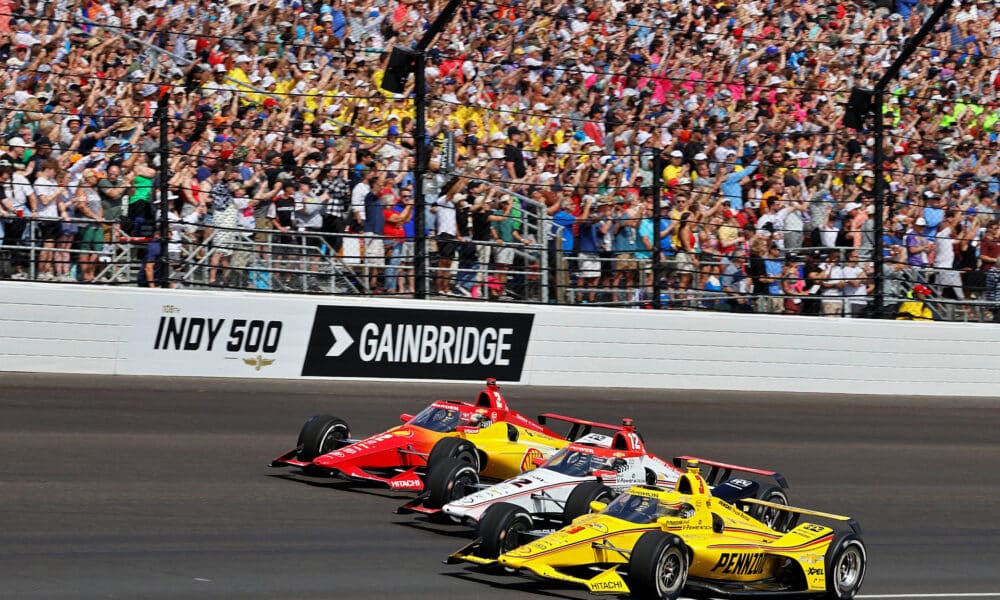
<point x="327" y="460"/>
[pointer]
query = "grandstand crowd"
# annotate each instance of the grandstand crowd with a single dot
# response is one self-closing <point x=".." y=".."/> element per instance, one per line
<point x="278" y="127"/>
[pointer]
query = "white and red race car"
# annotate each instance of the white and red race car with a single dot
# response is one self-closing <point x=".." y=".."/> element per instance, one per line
<point x="594" y="467"/>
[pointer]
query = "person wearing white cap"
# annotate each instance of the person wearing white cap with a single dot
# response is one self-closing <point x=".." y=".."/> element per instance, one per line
<point x="917" y="244"/>
<point x="675" y="168"/>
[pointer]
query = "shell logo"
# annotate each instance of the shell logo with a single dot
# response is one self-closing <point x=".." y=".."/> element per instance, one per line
<point x="527" y="463"/>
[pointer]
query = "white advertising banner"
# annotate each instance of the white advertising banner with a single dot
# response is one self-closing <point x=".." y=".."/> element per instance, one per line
<point x="77" y="329"/>
<point x="215" y="336"/>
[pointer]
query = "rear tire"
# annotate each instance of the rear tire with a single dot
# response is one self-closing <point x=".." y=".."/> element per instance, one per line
<point x="658" y="567"/>
<point x="773" y="518"/>
<point x="322" y="434"/>
<point x="499" y="529"/>
<point x="450" y="480"/>
<point x="580" y="498"/>
<point x="451" y="447"/>
<point x="846" y="563"/>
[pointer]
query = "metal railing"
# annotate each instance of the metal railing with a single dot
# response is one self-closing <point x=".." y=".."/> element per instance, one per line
<point x="357" y="264"/>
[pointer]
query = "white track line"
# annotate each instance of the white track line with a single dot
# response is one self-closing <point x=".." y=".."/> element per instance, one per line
<point x="965" y="595"/>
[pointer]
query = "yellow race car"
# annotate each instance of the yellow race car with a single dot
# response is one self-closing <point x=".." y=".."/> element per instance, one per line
<point x="653" y="542"/>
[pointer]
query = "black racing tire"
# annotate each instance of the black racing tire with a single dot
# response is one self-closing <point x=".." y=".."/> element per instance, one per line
<point x="499" y="529"/>
<point x="450" y="480"/>
<point x="322" y="434"/>
<point x="846" y="563"/>
<point x="580" y="498"/>
<point x="658" y="566"/>
<point x="775" y="519"/>
<point x="451" y="447"/>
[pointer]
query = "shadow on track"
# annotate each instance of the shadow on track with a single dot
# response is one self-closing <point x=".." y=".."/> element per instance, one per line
<point x="519" y="584"/>
<point x="357" y="487"/>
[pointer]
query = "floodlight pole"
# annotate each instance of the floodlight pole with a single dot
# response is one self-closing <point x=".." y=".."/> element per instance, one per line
<point x="164" y="186"/>
<point x="422" y="154"/>
<point x="657" y="201"/>
<point x="878" y="104"/>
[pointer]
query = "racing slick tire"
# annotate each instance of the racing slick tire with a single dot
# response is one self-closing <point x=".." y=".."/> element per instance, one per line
<point x="846" y="562"/>
<point x="451" y="447"/>
<point x="499" y="529"/>
<point x="450" y="480"/>
<point x="322" y="434"/>
<point x="658" y="566"/>
<point x="580" y="498"/>
<point x="773" y="518"/>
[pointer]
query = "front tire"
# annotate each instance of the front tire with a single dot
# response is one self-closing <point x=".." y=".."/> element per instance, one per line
<point x="449" y="481"/>
<point x="658" y="567"/>
<point x="580" y="498"/>
<point x="500" y="528"/>
<point x="451" y="447"/>
<point x="322" y="434"/>
<point x="846" y="563"/>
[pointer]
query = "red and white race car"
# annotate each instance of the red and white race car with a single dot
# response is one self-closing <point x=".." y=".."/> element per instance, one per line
<point x="494" y="441"/>
<point x="594" y="468"/>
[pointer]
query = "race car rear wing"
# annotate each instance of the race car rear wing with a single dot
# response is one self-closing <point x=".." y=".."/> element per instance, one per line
<point x="854" y="525"/>
<point x="580" y="427"/>
<point x="720" y="471"/>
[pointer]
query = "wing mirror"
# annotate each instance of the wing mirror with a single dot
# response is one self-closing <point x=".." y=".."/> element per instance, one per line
<point x="538" y="461"/>
<point x="597" y="506"/>
<point x="405" y="417"/>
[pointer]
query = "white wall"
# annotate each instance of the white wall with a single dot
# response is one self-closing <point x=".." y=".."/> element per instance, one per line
<point x="77" y="329"/>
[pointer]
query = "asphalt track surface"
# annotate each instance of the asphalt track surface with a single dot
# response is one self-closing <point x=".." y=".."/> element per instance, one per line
<point x="115" y="487"/>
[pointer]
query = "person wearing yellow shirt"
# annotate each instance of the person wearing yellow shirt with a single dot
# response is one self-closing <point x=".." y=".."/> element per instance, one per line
<point x="916" y="309"/>
<point x="675" y="168"/>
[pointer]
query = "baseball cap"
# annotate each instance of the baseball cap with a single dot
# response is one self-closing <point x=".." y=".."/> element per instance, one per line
<point x="922" y="289"/>
<point x="920" y="221"/>
<point x="852" y="206"/>
<point x="677" y="154"/>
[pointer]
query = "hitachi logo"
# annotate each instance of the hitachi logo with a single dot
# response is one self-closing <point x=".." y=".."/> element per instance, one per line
<point x="406" y="483"/>
<point x="741" y="563"/>
<point x="438" y="344"/>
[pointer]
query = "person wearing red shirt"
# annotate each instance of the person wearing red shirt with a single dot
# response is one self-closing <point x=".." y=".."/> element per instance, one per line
<point x="395" y="236"/>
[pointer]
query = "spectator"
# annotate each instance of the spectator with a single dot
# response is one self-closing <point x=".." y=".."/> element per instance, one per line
<point x="504" y="235"/>
<point x="918" y="244"/>
<point x="276" y="89"/>
<point x="447" y="238"/>
<point x="916" y="309"/>
<point x="993" y="291"/>
<point x="90" y="208"/>
<point x="833" y="284"/>
<point x="856" y="285"/>
<point x="397" y="213"/>
<point x="737" y="284"/>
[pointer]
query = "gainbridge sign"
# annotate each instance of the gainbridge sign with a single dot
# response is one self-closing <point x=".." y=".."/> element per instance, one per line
<point x="405" y="343"/>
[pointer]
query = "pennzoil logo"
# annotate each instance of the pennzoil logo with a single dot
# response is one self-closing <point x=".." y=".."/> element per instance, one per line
<point x="527" y="463"/>
<point x="741" y="563"/>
